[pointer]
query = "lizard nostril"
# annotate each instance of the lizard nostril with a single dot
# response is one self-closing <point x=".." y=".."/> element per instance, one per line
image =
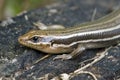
<point x="19" y="39"/>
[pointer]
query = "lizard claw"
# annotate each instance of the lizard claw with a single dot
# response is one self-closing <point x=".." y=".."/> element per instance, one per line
<point x="63" y="57"/>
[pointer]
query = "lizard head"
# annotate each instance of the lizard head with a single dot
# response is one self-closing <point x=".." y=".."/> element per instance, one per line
<point x="36" y="39"/>
<point x="44" y="41"/>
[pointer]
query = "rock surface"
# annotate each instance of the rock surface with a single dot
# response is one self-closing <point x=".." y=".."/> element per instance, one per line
<point x="16" y="61"/>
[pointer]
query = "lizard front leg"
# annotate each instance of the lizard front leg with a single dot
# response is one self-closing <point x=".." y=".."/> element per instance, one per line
<point x="74" y="53"/>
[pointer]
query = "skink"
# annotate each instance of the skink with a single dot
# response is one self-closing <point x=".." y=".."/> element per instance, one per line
<point x="100" y="33"/>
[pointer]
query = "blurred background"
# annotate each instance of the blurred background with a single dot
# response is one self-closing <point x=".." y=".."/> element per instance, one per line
<point x="9" y="8"/>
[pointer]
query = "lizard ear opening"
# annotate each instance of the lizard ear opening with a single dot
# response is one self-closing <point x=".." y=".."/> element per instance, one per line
<point x="52" y="42"/>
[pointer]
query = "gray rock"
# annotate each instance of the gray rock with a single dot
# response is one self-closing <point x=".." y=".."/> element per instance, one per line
<point x="16" y="61"/>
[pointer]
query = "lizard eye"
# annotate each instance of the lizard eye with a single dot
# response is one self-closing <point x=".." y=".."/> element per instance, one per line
<point x="35" y="39"/>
